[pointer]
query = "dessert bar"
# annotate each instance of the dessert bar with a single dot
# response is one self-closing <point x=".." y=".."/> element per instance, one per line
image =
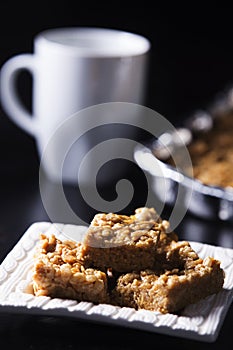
<point x="133" y="261"/>
<point x="122" y="242"/>
<point x="58" y="272"/>
<point x="188" y="281"/>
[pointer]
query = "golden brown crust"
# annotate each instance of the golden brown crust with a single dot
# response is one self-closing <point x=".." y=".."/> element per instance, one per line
<point x="123" y="242"/>
<point x="58" y="272"/>
<point x="170" y="291"/>
<point x="142" y="265"/>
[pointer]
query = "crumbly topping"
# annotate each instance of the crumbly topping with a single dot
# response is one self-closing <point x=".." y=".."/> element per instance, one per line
<point x="59" y="253"/>
<point x="171" y="290"/>
<point x="109" y="230"/>
<point x="142" y="266"/>
<point x="58" y="271"/>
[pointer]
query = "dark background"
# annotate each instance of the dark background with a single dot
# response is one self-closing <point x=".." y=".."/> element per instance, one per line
<point x="191" y="62"/>
<point x="191" y="45"/>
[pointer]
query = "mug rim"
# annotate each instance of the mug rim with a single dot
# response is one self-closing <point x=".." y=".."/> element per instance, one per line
<point x="125" y="44"/>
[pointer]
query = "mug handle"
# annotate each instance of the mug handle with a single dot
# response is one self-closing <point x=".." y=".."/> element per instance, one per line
<point x="9" y="95"/>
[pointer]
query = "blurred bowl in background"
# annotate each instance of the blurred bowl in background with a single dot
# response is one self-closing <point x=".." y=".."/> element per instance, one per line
<point x="208" y="136"/>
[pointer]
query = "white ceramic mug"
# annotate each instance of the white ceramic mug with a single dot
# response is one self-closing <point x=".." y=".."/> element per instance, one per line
<point x="74" y="68"/>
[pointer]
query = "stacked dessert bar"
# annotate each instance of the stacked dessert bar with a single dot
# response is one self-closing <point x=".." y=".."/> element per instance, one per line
<point x="134" y="261"/>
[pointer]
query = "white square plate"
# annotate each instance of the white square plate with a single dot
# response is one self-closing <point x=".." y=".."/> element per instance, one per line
<point x="200" y="321"/>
